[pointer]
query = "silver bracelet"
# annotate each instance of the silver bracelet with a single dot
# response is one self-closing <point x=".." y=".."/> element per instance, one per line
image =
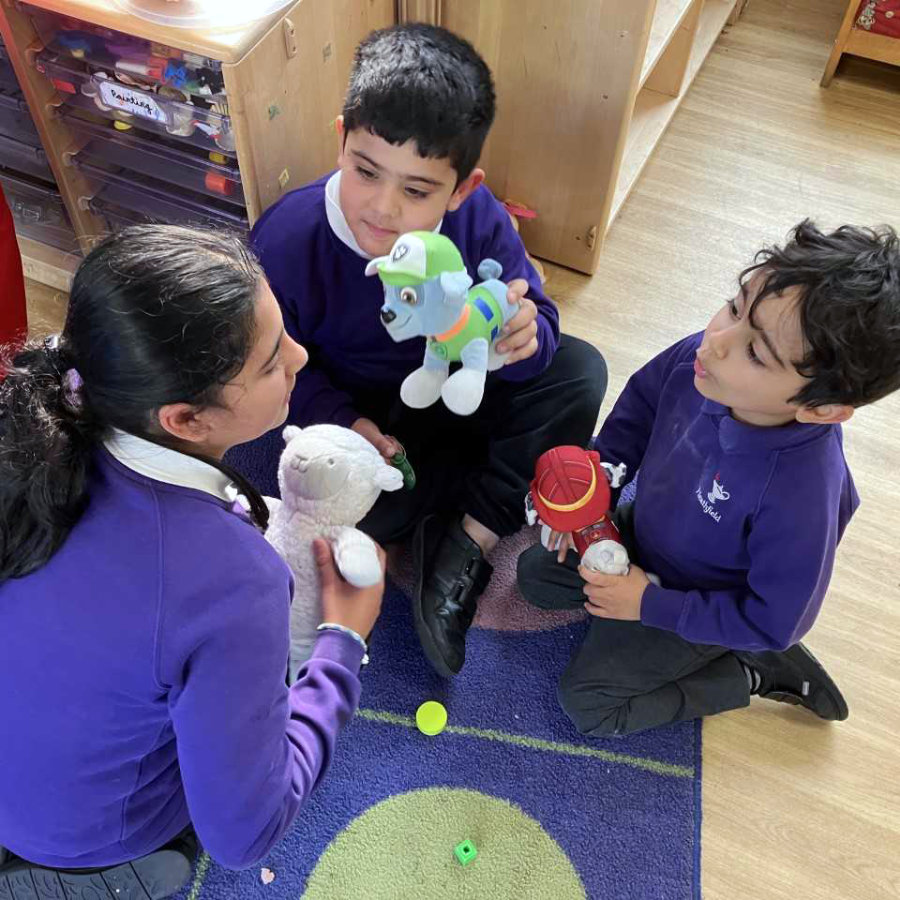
<point x="343" y="629"/>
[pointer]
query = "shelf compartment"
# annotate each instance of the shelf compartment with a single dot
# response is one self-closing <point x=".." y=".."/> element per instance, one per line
<point x="22" y="157"/>
<point x="668" y="17"/>
<point x="206" y="128"/>
<point x="151" y="202"/>
<point x="38" y="212"/>
<point x="135" y="60"/>
<point x="170" y="164"/>
<point x="653" y="110"/>
<point x="15" y="119"/>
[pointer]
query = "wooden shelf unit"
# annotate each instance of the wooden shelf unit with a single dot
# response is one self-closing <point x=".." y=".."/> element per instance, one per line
<point x="585" y="89"/>
<point x="655" y="106"/>
<point x="285" y="77"/>
<point x="859" y="42"/>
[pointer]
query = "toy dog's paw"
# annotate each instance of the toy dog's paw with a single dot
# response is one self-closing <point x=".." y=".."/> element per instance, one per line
<point x="463" y="390"/>
<point x="609" y="557"/>
<point x="422" y="387"/>
<point x="360" y="570"/>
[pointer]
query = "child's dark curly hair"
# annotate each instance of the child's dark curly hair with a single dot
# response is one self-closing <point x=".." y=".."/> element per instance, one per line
<point x="422" y="83"/>
<point x="848" y="285"/>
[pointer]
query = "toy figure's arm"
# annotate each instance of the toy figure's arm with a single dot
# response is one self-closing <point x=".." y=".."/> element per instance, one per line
<point x="356" y="557"/>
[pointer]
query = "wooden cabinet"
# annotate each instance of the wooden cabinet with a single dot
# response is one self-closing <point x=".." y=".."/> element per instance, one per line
<point x="585" y="89"/>
<point x="284" y="77"/>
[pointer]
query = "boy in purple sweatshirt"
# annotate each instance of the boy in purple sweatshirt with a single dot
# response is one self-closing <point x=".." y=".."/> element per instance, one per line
<point x="418" y="108"/>
<point x="743" y="493"/>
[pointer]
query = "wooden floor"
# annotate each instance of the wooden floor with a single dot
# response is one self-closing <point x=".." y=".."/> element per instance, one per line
<point x="793" y="808"/>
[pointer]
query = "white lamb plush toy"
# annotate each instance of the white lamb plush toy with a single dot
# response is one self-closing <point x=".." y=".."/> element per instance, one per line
<point x="330" y="477"/>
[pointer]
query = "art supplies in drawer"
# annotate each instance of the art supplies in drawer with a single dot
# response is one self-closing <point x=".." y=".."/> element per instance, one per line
<point x="209" y="128"/>
<point x="38" y="212"/>
<point x="15" y="119"/>
<point x="166" y="162"/>
<point x="21" y="157"/>
<point x="154" y="203"/>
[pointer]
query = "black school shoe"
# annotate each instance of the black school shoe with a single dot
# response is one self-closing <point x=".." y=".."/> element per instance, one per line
<point x="154" y="877"/>
<point x="795" y="676"/>
<point x="452" y="574"/>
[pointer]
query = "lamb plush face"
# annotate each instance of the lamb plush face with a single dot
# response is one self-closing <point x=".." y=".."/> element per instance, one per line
<point x="332" y="474"/>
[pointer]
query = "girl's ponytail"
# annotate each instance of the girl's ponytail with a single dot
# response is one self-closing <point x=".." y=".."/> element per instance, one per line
<point x="47" y="439"/>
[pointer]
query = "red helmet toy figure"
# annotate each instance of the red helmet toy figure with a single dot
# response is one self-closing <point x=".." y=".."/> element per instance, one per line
<point x="570" y="493"/>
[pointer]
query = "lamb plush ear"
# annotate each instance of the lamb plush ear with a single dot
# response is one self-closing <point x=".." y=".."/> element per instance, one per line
<point x="389" y="478"/>
<point x="455" y="284"/>
<point x="290" y="433"/>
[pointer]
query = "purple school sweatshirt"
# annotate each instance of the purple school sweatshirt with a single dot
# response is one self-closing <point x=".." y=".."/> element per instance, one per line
<point x="142" y="678"/>
<point x="331" y="306"/>
<point x="741" y="523"/>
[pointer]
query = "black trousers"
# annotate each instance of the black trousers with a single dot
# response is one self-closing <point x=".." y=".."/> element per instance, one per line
<point x="627" y="677"/>
<point x="482" y="464"/>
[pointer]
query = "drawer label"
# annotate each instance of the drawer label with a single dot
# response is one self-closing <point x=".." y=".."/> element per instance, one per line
<point x="122" y="98"/>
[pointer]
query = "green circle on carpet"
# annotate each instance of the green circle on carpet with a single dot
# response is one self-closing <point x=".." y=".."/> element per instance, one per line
<point x="403" y="847"/>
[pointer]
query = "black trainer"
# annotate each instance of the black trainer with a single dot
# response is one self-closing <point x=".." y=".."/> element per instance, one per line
<point x="154" y="877"/>
<point x="452" y="574"/>
<point x="795" y="676"/>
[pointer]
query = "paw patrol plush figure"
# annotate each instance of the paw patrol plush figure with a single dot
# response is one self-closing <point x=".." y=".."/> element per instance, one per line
<point x="428" y="293"/>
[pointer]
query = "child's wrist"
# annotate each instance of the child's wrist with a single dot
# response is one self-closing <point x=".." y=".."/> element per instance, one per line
<point x="343" y="629"/>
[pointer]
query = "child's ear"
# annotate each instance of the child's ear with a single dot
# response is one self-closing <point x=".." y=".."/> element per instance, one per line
<point x="342" y="137"/>
<point x="464" y="188"/>
<point x="827" y="414"/>
<point x="184" y="422"/>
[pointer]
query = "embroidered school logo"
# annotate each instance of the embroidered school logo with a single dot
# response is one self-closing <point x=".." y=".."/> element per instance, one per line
<point x="708" y="503"/>
<point x="399" y="252"/>
<point x="718" y="492"/>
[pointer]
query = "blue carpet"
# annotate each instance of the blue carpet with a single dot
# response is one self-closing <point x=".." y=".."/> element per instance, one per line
<point x="551" y="813"/>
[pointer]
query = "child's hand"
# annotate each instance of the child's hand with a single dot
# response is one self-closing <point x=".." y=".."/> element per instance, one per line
<point x="520" y="332"/>
<point x="614" y="596"/>
<point x="343" y="604"/>
<point x="383" y="443"/>
<point x="561" y="542"/>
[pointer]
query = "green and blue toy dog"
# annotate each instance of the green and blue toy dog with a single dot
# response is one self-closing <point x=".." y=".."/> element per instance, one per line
<point x="428" y="293"/>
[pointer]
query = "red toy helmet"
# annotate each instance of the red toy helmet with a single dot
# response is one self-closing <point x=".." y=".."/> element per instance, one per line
<point x="570" y="490"/>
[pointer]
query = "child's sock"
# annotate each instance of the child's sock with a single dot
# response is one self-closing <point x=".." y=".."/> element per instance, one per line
<point x="754" y="679"/>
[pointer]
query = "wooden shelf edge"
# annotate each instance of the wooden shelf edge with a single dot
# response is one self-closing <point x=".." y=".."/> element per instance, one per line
<point x="654" y="111"/>
<point x="659" y="43"/>
<point x="46" y="264"/>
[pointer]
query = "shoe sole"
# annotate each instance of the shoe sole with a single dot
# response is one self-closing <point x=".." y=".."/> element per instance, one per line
<point x="432" y="654"/>
<point x="155" y="877"/>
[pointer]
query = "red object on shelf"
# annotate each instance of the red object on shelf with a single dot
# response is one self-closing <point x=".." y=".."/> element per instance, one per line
<point x="879" y="17"/>
<point x="219" y="184"/>
<point x="13" y="319"/>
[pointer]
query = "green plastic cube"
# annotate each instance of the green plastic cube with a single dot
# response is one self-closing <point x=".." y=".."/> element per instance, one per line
<point x="465" y="852"/>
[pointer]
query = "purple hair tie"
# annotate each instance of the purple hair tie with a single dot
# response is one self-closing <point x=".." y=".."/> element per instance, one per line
<point x="72" y="384"/>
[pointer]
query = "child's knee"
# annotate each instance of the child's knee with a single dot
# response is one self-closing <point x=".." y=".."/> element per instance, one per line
<point x="530" y="574"/>
<point x="591" y="711"/>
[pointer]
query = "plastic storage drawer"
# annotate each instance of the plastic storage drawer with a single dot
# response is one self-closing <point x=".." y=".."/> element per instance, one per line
<point x="153" y="203"/>
<point x="24" y="158"/>
<point x="8" y="80"/>
<point x="176" y="166"/>
<point x="144" y="109"/>
<point x="38" y="212"/>
<point x="15" y="119"/>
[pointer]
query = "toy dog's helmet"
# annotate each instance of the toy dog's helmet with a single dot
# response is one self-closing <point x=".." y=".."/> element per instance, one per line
<point x="570" y="489"/>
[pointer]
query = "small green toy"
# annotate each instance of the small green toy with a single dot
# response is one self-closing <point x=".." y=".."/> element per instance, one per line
<point x="431" y="718"/>
<point x="465" y="852"/>
<point x="399" y="461"/>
